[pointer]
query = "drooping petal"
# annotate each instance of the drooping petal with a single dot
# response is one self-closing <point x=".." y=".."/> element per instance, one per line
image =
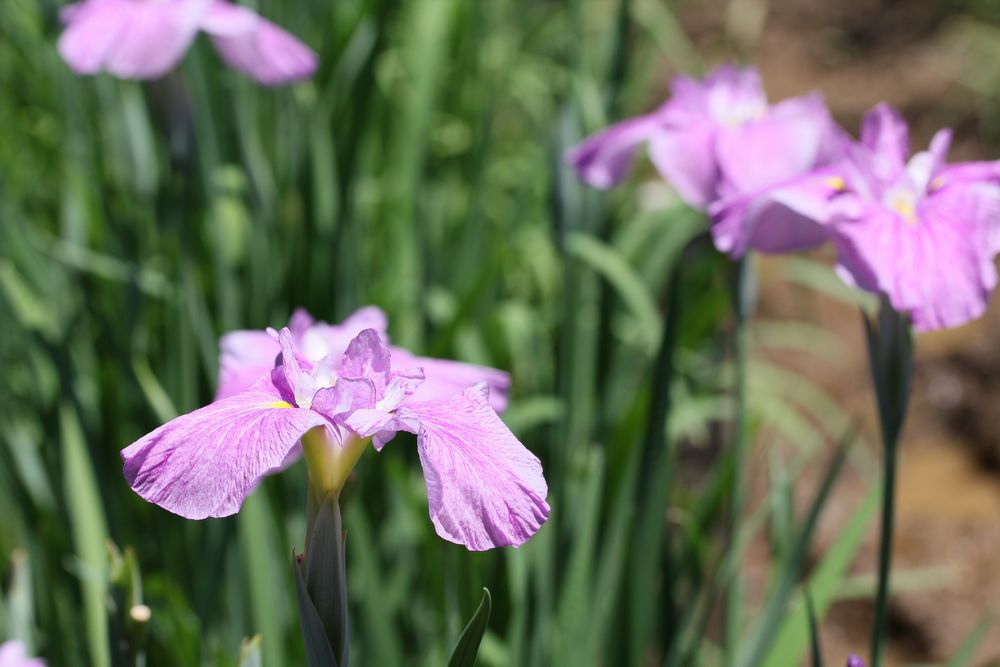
<point x="885" y="134"/>
<point x="604" y="159"/>
<point x="484" y="488"/>
<point x="244" y="356"/>
<point x="129" y="39"/>
<point x="205" y="463"/>
<point x="790" y="217"/>
<point x="936" y="266"/>
<point x="444" y="378"/>
<point x="255" y="46"/>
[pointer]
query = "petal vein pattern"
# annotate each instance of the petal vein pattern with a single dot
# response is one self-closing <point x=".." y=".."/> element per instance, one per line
<point x="203" y="464"/>
<point x="484" y="488"/>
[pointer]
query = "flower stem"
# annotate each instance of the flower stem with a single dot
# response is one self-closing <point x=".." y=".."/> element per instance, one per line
<point x="890" y="351"/>
<point x="743" y="297"/>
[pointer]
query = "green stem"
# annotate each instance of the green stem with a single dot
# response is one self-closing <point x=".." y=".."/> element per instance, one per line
<point x="743" y="296"/>
<point x="890" y="352"/>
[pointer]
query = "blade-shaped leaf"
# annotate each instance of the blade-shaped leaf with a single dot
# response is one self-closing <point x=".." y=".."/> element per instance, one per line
<point x="467" y="648"/>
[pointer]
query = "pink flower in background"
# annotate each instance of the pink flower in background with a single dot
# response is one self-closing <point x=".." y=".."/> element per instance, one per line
<point x="715" y="139"/>
<point x="14" y="654"/>
<point x="922" y="232"/>
<point x="855" y="661"/>
<point x="145" y="39"/>
<point x="246" y="355"/>
<point x="484" y="488"/>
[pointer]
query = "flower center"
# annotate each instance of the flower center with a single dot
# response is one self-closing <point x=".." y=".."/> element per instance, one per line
<point x="330" y="463"/>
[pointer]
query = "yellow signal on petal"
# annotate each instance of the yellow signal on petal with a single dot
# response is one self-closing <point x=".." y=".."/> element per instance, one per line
<point x="279" y="404"/>
<point x="835" y="183"/>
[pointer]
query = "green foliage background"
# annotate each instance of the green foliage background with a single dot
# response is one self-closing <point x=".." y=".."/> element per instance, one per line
<point x="420" y="170"/>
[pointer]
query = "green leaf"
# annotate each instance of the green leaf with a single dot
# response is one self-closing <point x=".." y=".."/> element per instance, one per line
<point x="824" y="585"/>
<point x="90" y="533"/>
<point x="318" y="651"/>
<point x="774" y="610"/>
<point x="325" y="576"/>
<point x="817" y="654"/>
<point x="963" y="657"/>
<point x="467" y="648"/>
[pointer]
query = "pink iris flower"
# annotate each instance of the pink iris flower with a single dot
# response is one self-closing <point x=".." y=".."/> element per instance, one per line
<point x="484" y="488"/>
<point x="246" y="355"/>
<point x="855" y="661"/>
<point x="922" y="232"/>
<point x="716" y="139"/>
<point x="14" y="654"/>
<point x="918" y="230"/>
<point x="145" y="39"/>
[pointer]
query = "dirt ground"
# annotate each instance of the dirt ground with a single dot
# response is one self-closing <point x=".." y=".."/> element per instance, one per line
<point x="938" y="63"/>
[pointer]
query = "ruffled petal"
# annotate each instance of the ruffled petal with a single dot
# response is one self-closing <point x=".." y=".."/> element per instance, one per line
<point x="368" y="356"/>
<point x="131" y="40"/>
<point x="205" y="463"/>
<point x="484" y="488"/>
<point x="604" y="159"/>
<point x="255" y="46"/>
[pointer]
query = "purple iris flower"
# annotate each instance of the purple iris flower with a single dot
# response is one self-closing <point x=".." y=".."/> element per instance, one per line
<point x="855" y="661"/>
<point x="246" y="355"/>
<point x="144" y="39"/>
<point x="14" y="654"/>
<point x="484" y="488"/>
<point x="715" y="139"/>
<point x="920" y="231"/>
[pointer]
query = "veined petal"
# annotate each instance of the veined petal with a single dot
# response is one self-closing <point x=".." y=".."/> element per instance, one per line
<point x="321" y="339"/>
<point x="603" y="159"/>
<point x="132" y="40"/>
<point x="484" y="489"/>
<point x="256" y="46"/>
<point x="444" y="378"/>
<point x="203" y="464"/>
<point x="289" y="376"/>
<point x="244" y="356"/>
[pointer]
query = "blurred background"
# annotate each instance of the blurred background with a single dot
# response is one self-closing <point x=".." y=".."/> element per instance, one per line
<point x="421" y="170"/>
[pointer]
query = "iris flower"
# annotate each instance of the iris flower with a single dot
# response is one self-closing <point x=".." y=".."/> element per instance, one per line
<point x="484" y="488"/>
<point x="919" y="231"/>
<point x="145" y="39"/>
<point x="714" y="139"/>
<point x="922" y="232"/>
<point x="14" y="654"/>
<point x="855" y="661"/>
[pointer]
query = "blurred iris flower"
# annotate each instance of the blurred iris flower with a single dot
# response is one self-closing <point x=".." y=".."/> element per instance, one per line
<point x="855" y="661"/>
<point x="145" y="39"/>
<point x="715" y="139"/>
<point x="14" y="654"/>
<point x="921" y="232"/>
<point x="485" y="489"/>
